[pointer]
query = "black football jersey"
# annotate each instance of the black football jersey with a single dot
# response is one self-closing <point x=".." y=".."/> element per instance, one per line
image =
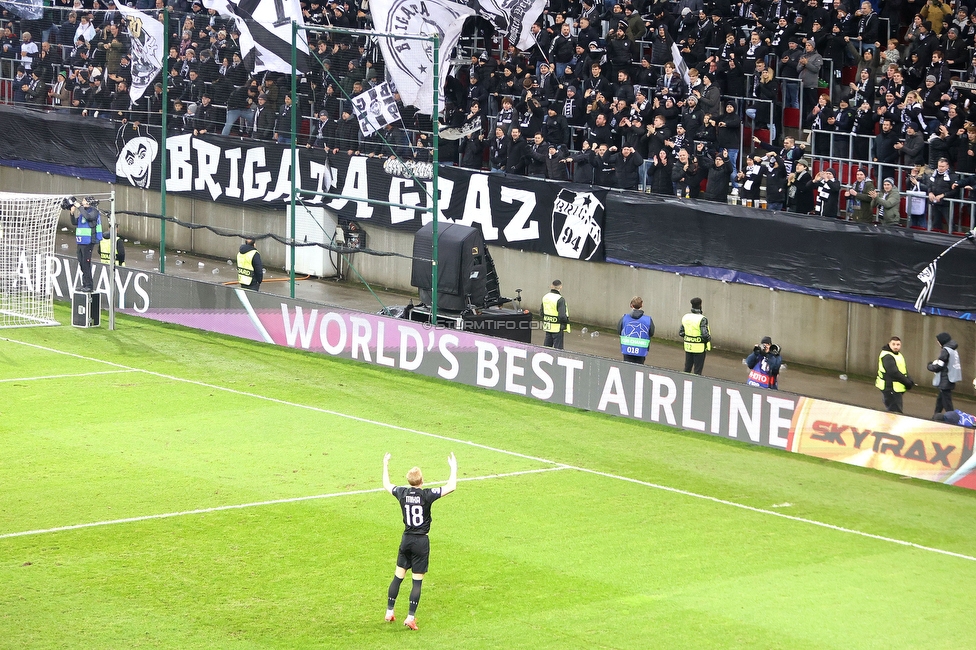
<point x="415" y="507"/>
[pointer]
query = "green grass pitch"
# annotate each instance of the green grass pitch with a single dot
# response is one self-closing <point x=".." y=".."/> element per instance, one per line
<point x="162" y="479"/>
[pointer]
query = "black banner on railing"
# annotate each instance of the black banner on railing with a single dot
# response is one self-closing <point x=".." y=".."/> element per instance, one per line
<point x="54" y="138"/>
<point x="812" y="252"/>
<point x="512" y="211"/>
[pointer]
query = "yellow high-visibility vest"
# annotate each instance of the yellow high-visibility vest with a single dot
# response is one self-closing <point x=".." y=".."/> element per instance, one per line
<point x="245" y="267"/>
<point x="550" y="313"/>
<point x="896" y="386"/>
<point x="693" y="332"/>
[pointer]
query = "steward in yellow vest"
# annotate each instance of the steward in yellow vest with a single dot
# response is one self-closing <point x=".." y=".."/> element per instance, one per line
<point x="105" y="249"/>
<point x="698" y="340"/>
<point x="250" y="271"/>
<point x="555" y="316"/>
<point x="893" y="380"/>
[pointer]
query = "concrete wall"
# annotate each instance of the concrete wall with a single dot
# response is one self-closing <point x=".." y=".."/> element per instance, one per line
<point x="831" y="334"/>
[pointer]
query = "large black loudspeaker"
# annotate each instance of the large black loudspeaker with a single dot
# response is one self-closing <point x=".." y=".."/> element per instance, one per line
<point x="462" y="267"/>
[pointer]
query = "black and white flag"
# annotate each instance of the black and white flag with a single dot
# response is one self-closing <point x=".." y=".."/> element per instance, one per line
<point x="680" y="65"/>
<point x="146" y="37"/>
<point x="27" y="9"/>
<point x="512" y="18"/>
<point x="410" y="63"/>
<point x="927" y="276"/>
<point x="265" y="27"/>
<point x="376" y="108"/>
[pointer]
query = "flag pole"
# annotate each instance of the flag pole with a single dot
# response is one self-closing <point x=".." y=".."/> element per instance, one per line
<point x="435" y="128"/>
<point x="164" y="75"/>
<point x="294" y="144"/>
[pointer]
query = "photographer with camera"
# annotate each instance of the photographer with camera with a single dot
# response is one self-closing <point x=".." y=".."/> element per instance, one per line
<point x="87" y="221"/>
<point x="764" y="364"/>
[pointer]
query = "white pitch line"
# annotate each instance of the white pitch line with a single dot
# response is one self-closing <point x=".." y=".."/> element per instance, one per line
<point x="256" y="504"/>
<point x="80" y="374"/>
<point x="558" y="465"/>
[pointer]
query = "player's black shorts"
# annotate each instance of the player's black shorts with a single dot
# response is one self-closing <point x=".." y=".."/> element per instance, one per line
<point x="414" y="553"/>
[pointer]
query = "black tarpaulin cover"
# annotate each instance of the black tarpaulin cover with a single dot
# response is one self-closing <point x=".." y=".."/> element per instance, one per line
<point x="55" y="137"/>
<point x="826" y="254"/>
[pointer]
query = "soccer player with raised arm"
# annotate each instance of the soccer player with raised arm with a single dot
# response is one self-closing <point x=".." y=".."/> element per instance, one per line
<point x="414" y="554"/>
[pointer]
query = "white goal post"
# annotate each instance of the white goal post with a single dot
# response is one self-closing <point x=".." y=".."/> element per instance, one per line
<point x="28" y="225"/>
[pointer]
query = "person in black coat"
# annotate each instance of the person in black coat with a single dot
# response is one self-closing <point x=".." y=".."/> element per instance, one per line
<point x="801" y="189"/>
<point x="264" y="119"/>
<point x="472" y="149"/>
<point x="536" y="163"/>
<point x="775" y="172"/>
<point x="661" y="173"/>
<point x="347" y="132"/>
<point x="626" y="164"/>
<point x="603" y="171"/>
<point x="717" y="187"/>
<point x="556" y="169"/>
<point x="583" y="164"/>
<point x="828" y="193"/>
<point x="518" y="152"/>
<point x="686" y="174"/>
<point x="498" y="150"/>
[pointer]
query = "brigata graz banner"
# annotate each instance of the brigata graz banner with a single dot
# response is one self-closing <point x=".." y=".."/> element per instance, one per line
<point x="512" y="211"/>
<point x="895" y="443"/>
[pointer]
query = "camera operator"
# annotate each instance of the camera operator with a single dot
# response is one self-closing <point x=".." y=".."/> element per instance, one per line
<point x="87" y="221"/>
<point x="764" y="364"/>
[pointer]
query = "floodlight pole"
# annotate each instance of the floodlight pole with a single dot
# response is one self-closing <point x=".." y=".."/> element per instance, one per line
<point x="294" y="144"/>
<point x="435" y="142"/>
<point x="114" y="238"/>
<point x="163" y="171"/>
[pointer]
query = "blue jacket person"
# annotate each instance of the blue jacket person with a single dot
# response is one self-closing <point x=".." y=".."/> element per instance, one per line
<point x="636" y="330"/>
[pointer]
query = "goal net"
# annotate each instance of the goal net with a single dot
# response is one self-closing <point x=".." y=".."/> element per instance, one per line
<point x="28" y="224"/>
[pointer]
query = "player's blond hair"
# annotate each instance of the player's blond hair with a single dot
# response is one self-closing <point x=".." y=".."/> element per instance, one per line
<point x="415" y="477"/>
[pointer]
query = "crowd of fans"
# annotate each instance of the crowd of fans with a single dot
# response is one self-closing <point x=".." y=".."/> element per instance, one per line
<point x="659" y="96"/>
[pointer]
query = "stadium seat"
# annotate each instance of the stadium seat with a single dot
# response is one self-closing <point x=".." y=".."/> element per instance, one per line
<point x="791" y="118"/>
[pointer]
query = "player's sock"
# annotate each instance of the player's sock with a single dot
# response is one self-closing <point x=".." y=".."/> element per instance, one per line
<point x="392" y="594"/>
<point x="414" y="597"/>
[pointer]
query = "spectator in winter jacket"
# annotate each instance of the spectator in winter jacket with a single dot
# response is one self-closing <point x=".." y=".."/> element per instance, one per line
<point x="472" y="149"/>
<point x="583" y="164"/>
<point x="717" y="187"/>
<point x="828" y="193"/>
<point x="556" y="169"/>
<point x="498" y="147"/>
<point x="518" y="152"/>
<point x="801" y="188"/>
<point x="626" y="164"/>
<point x="775" y="172"/>
<point x="888" y="202"/>
<point x="535" y="164"/>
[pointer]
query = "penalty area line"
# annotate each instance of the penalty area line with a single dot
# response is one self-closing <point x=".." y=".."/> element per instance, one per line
<point x="556" y="464"/>
<point x="256" y="504"/>
<point x="68" y="376"/>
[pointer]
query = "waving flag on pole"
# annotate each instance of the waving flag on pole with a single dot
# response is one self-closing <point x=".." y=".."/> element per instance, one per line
<point x="265" y="27"/>
<point x="146" y="37"/>
<point x="927" y="275"/>
<point x="27" y="9"/>
<point x="512" y="18"/>
<point x="410" y="63"/>
<point x="679" y="63"/>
